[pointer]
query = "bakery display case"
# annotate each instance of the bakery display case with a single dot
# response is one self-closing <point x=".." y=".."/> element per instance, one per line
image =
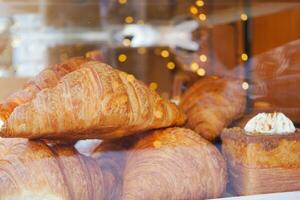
<point x="140" y="99"/>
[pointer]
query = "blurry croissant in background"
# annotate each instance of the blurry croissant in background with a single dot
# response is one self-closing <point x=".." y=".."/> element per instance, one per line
<point x="48" y="78"/>
<point x="174" y="163"/>
<point x="95" y="101"/>
<point x="212" y="103"/>
<point x="34" y="170"/>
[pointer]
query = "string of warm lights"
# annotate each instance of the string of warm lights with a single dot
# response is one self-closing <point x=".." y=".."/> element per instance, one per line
<point x="194" y="66"/>
<point x="122" y="58"/>
<point x="244" y="17"/>
<point x="165" y="53"/>
<point x="201" y="72"/>
<point x="203" y="58"/>
<point x="202" y="17"/>
<point x="142" y="50"/>
<point x="196" y="10"/>
<point x="171" y="65"/>
<point x="153" y="86"/>
<point x="245" y="85"/>
<point x="129" y="19"/>
<point x="244" y="56"/>
<point x="126" y="42"/>
<point x="197" y="69"/>
<point x="199" y="3"/>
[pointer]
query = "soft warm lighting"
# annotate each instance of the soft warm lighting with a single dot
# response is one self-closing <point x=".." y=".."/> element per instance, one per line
<point x="153" y="85"/>
<point x="194" y="66"/>
<point x="128" y="19"/>
<point x="122" y="1"/>
<point x="244" y="57"/>
<point x="126" y="42"/>
<point x="245" y="85"/>
<point x="201" y="72"/>
<point x="203" y="58"/>
<point x="194" y="10"/>
<point x="141" y="50"/>
<point x="171" y="65"/>
<point x="130" y="77"/>
<point x="202" y="17"/>
<point x="141" y="22"/>
<point x="122" y="58"/>
<point x="244" y="17"/>
<point x="200" y="3"/>
<point x="164" y="53"/>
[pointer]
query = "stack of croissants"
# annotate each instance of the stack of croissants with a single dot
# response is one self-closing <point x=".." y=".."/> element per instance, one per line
<point x="150" y="148"/>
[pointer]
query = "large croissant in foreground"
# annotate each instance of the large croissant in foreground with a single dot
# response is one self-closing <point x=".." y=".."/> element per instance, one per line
<point x="95" y="101"/>
<point x="212" y="103"/>
<point x="32" y="170"/>
<point x="174" y="163"/>
<point x="48" y="78"/>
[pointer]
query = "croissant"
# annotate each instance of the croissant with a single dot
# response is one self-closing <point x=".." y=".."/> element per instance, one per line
<point x="48" y="78"/>
<point x="174" y="163"/>
<point x="34" y="170"/>
<point x="212" y="103"/>
<point x="95" y="101"/>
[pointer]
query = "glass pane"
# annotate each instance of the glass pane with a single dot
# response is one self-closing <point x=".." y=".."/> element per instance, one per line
<point x="140" y="99"/>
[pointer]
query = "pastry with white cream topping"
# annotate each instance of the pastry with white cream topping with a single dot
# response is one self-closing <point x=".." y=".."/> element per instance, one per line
<point x="264" y="156"/>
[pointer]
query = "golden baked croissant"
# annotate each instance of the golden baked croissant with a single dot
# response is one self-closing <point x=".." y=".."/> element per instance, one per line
<point x="212" y="103"/>
<point x="48" y="78"/>
<point x="95" y="101"/>
<point x="174" y="163"/>
<point x="34" y="170"/>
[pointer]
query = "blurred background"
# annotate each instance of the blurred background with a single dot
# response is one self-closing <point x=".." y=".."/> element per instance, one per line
<point x="166" y="43"/>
